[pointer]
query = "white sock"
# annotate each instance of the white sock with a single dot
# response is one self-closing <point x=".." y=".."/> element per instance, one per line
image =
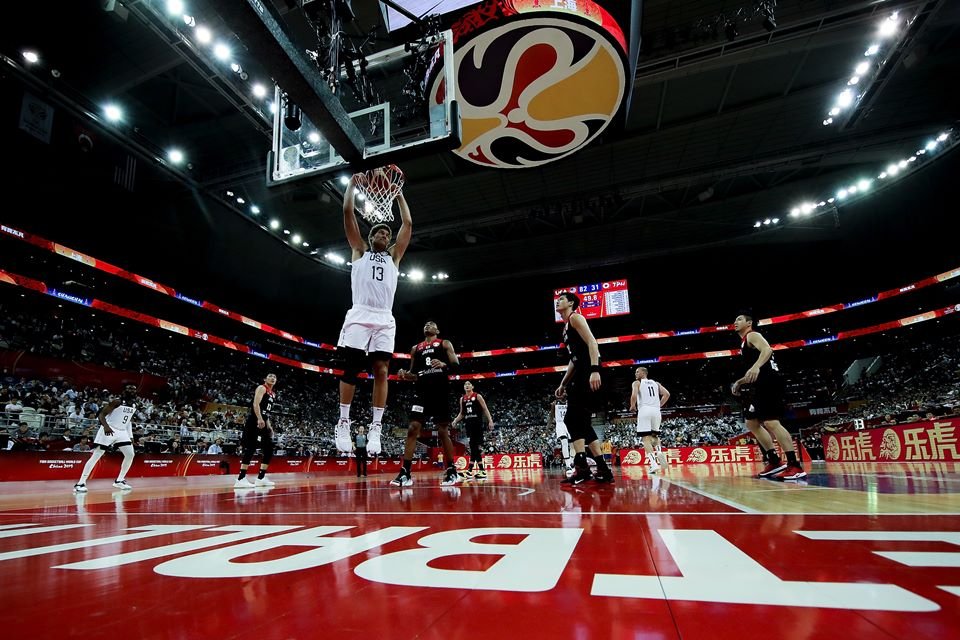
<point x="378" y="414"/>
<point x="565" y="451"/>
<point x="91" y="463"/>
<point x="344" y="412"/>
<point x="127" y="462"/>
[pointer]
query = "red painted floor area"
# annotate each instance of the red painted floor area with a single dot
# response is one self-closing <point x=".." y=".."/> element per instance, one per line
<point x="514" y="556"/>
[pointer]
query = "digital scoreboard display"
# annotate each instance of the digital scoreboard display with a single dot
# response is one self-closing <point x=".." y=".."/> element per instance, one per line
<point x="600" y="300"/>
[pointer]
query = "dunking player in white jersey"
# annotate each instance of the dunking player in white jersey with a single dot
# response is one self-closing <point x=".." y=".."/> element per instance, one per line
<point x="646" y="398"/>
<point x="116" y="427"/>
<point x="369" y="328"/>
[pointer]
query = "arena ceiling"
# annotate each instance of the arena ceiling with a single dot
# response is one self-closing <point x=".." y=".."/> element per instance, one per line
<point x="719" y="133"/>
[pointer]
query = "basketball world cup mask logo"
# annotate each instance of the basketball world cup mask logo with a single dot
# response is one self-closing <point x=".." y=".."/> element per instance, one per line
<point x="534" y="90"/>
<point x="461" y="463"/>
<point x="633" y="457"/>
<point x="890" y="445"/>
<point x="833" y="448"/>
<point x="697" y="455"/>
<point x="505" y="462"/>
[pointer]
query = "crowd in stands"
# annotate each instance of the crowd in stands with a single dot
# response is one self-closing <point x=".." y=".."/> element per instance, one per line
<point x="204" y="403"/>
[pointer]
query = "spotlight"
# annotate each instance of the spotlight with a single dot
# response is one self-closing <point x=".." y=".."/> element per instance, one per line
<point x="175" y="156"/>
<point x="274" y="224"/>
<point x="259" y="91"/>
<point x="291" y="116"/>
<point x="190" y="21"/>
<point x="872" y="50"/>
<point x="254" y="209"/>
<point x="841" y="194"/>
<point x="31" y="57"/>
<point x="845" y="99"/>
<point x="296" y="238"/>
<point x="862" y="68"/>
<point x="767" y="221"/>
<point x="930" y="146"/>
<point x="863" y="185"/>
<point x="795" y="212"/>
<point x="236" y="68"/>
<point x="222" y="52"/>
<point x="942" y="137"/>
<point x="757" y="224"/>
<point x="203" y="35"/>
<point x="174" y="7"/>
<point x="888" y="27"/>
<point x="344" y="180"/>
<point x="314" y="137"/>
<point x="893" y="170"/>
<point x="113" y="113"/>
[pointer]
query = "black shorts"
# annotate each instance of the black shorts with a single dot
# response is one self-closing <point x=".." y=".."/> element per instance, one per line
<point x="432" y="402"/>
<point x="764" y="399"/>
<point x="474" y="429"/>
<point x="581" y="404"/>
<point x="252" y="434"/>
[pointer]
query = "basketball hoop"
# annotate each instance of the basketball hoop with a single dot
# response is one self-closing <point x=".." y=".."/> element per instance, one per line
<point x="380" y="187"/>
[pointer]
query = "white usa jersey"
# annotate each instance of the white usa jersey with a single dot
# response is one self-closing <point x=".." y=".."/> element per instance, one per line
<point x="559" y="413"/>
<point x="373" y="280"/>
<point x="648" y="394"/>
<point x="121" y="418"/>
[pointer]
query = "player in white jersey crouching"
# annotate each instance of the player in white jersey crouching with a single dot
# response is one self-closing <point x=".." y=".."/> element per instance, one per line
<point x="369" y="329"/>
<point x="116" y="428"/>
<point x="646" y="398"/>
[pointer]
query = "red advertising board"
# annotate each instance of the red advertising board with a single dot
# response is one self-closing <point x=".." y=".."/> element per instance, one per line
<point x="505" y="461"/>
<point x="927" y="441"/>
<point x="695" y="455"/>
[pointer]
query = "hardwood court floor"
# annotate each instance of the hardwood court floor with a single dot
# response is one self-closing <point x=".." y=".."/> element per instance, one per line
<point x="859" y="551"/>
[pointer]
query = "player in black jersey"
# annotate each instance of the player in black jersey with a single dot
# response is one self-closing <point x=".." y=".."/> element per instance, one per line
<point x="762" y="390"/>
<point x="258" y="430"/>
<point x="581" y="383"/>
<point x="471" y="404"/>
<point x="431" y="361"/>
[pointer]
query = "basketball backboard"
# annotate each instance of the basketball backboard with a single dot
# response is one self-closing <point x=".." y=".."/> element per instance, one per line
<point x="385" y="98"/>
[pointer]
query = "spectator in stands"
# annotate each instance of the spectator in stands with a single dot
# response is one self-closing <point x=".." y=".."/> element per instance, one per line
<point x="22" y="440"/>
<point x="84" y="445"/>
<point x="216" y="448"/>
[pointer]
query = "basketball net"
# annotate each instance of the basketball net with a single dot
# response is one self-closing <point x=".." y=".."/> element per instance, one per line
<point x="380" y="187"/>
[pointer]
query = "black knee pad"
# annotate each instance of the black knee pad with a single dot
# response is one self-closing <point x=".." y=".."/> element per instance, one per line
<point x="354" y="361"/>
<point x="267" y="448"/>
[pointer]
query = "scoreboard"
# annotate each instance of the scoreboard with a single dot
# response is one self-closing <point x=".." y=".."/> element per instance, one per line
<point x="599" y="300"/>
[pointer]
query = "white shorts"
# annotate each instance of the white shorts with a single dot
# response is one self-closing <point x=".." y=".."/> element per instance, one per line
<point x="119" y="435"/>
<point x="369" y="330"/>
<point x="562" y="431"/>
<point x="648" y="420"/>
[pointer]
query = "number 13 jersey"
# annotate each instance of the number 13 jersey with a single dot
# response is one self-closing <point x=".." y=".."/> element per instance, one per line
<point x="373" y="281"/>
